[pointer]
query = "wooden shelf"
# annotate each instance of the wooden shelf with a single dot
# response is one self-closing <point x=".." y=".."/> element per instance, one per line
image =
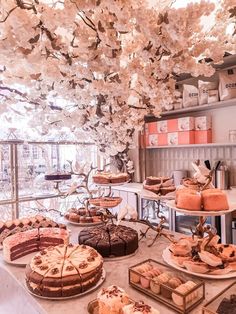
<point x="212" y="106"/>
<point x="193" y="145"/>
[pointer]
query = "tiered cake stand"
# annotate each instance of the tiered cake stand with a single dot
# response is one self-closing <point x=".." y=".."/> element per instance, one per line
<point x="199" y="231"/>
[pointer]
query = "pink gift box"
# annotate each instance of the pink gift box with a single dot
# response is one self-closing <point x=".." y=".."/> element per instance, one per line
<point x="162" y="126"/>
<point x="172" y="125"/>
<point x="162" y="139"/>
<point x="203" y="137"/>
<point x="152" y="140"/>
<point x="186" y="137"/>
<point x="152" y="128"/>
<point x="181" y="138"/>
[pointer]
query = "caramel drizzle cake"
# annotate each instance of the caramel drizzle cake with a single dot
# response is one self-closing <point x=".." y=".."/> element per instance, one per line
<point x="18" y="225"/>
<point x="24" y="243"/>
<point x="64" y="270"/>
<point x="110" y="240"/>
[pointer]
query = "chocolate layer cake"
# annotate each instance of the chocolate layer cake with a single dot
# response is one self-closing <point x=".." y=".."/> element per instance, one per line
<point x="57" y="176"/>
<point x="110" y="240"/>
<point x="64" y="270"/>
<point x="24" y="243"/>
<point x="18" y="225"/>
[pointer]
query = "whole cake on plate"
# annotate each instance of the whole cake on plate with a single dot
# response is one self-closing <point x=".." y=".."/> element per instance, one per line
<point x="24" y="243"/>
<point x="64" y="270"/>
<point x="10" y="227"/>
<point x="110" y="240"/>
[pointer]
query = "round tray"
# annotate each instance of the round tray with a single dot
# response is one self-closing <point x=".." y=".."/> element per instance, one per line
<point x="99" y="283"/>
<point x="166" y="255"/>
<point x="205" y="213"/>
<point x="80" y="224"/>
<point x="22" y="261"/>
<point x="119" y="258"/>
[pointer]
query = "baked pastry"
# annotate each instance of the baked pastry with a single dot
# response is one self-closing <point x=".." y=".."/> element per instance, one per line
<point x="108" y="177"/>
<point x="173" y="283"/>
<point x="166" y="190"/>
<point x="18" y="225"/>
<point x="189" y="201"/>
<point x="184" y="288"/>
<point x="24" y="243"/>
<point x="64" y="270"/>
<point x="110" y="240"/>
<point x="134" y="273"/>
<point x="102" y="178"/>
<point x="227" y="252"/>
<point x="155" y="286"/>
<point x="215" y="201"/>
<point x="147" y="276"/>
<point x="152" y="188"/>
<point x="191" y="184"/>
<point x="185" y="191"/>
<point x="153" y="180"/>
<point x="106" y="202"/>
<point x="227" y="306"/>
<point x="139" y="308"/>
<point x="119" y="178"/>
<point x="112" y="300"/>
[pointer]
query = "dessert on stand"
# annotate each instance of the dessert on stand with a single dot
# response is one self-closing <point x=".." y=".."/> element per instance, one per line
<point x="201" y="254"/>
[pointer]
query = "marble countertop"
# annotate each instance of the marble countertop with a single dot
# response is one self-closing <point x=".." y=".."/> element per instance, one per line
<point x="116" y="273"/>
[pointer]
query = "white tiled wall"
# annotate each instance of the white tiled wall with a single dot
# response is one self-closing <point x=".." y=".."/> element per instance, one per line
<point x="164" y="161"/>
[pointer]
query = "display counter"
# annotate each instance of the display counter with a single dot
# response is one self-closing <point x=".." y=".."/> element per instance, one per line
<point x="13" y="294"/>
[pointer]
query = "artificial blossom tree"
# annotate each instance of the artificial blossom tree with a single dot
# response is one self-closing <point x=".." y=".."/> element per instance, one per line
<point x="102" y="65"/>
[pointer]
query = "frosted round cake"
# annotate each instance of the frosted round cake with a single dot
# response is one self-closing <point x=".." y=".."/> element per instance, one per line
<point x="64" y="270"/>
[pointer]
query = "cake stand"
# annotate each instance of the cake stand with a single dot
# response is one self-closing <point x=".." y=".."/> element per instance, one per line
<point x="202" y="227"/>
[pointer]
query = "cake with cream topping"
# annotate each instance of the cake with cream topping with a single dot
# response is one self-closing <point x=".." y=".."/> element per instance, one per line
<point x="64" y="270"/>
<point x="24" y="243"/>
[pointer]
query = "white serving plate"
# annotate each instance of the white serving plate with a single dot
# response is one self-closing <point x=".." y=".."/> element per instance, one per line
<point x="22" y="261"/>
<point x="205" y="213"/>
<point x="119" y="258"/>
<point x="99" y="283"/>
<point x="80" y="224"/>
<point x="166" y="255"/>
